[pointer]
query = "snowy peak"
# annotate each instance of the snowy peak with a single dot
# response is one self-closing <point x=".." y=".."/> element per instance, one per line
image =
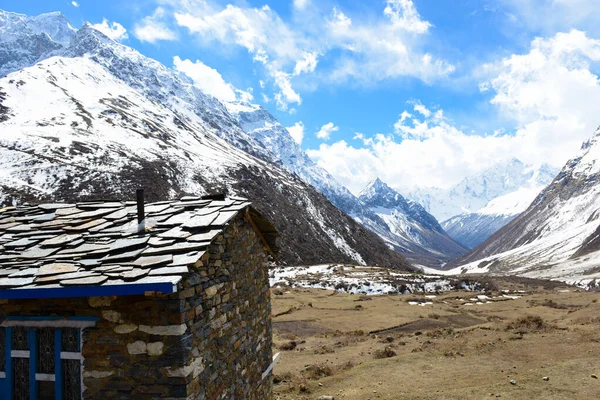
<point x="376" y="188"/>
<point x="475" y="192"/>
<point x="94" y="115"/>
<point x="378" y="196"/>
<point x="587" y="163"/>
<point x="26" y="40"/>
<point x="14" y="26"/>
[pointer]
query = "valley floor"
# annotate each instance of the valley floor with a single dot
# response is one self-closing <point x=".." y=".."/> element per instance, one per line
<point x="544" y="337"/>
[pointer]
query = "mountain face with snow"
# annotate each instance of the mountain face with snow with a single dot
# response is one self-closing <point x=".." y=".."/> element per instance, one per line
<point x="412" y="227"/>
<point x="264" y="128"/>
<point x="479" y="205"/>
<point x="83" y="117"/>
<point x="475" y="192"/>
<point x="26" y="40"/>
<point x="419" y="237"/>
<point x="472" y="229"/>
<point x="557" y="236"/>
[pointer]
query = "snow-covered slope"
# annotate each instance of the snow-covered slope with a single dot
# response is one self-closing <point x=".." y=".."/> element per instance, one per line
<point x="472" y="229"/>
<point x="263" y="127"/>
<point x="414" y="237"/>
<point x="475" y="192"/>
<point x="557" y="236"/>
<point x="101" y="119"/>
<point x="413" y="228"/>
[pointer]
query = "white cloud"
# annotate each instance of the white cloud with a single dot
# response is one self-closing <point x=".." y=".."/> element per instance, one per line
<point x="326" y="130"/>
<point x="436" y="154"/>
<point x="152" y="28"/>
<point x="421" y="109"/>
<point x="405" y="114"/>
<point x="404" y="15"/>
<point x="550" y="93"/>
<point x="300" y="4"/>
<point x="286" y="94"/>
<point x="75" y="4"/>
<point x="113" y="30"/>
<point x="297" y="131"/>
<point x="307" y="64"/>
<point x="210" y="81"/>
<point x="259" y="30"/>
<point x="551" y="16"/>
<point x="388" y="49"/>
<point x="361" y="50"/>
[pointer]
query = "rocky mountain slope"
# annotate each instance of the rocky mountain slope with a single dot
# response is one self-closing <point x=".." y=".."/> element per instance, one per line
<point x="415" y="238"/>
<point x="98" y="119"/>
<point x="418" y="232"/>
<point x="557" y="236"/>
<point x="264" y="128"/>
<point x="246" y="126"/>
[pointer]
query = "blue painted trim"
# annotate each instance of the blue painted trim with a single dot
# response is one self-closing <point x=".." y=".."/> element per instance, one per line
<point x="30" y="318"/>
<point x="58" y="379"/>
<point x="87" y="291"/>
<point x="9" y="370"/>
<point x="33" y="356"/>
<point x="47" y="318"/>
<point x="92" y="319"/>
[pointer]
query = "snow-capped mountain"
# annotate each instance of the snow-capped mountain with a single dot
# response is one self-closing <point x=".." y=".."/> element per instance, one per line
<point x="415" y="238"/>
<point x="411" y="227"/>
<point x="558" y="235"/>
<point x="262" y="135"/>
<point x="472" y="229"/>
<point x="98" y="119"/>
<point x="475" y="192"/>
<point x="26" y="40"/>
<point x="264" y="128"/>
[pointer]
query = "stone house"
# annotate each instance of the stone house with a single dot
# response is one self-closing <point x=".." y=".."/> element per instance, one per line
<point x="126" y="300"/>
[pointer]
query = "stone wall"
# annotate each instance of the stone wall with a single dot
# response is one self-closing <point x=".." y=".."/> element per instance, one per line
<point x="210" y="340"/>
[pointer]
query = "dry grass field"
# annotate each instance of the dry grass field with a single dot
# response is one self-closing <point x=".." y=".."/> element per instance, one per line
<point x="524" y="340"/>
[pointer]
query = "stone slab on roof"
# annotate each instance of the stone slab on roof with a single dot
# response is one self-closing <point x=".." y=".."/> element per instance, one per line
<point x="97" y="244"/>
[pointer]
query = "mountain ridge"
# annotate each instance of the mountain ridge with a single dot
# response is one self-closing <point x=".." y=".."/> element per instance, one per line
<point x="417" y="230"/>
<point x="558" y="228"/>
<point x="69" y="142"/>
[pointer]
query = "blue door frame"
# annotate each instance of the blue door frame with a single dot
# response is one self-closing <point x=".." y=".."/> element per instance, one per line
<point x="6" y="386"/>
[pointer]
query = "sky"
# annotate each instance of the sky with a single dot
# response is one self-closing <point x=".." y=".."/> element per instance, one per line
<point x="415" y="92"/>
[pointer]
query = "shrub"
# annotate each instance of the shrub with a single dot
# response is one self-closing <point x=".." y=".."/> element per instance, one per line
<point x="325" y="349"/>
<point x="317" y="371"/>
<point x="287" y="346"/>
<point x="387" y="352"/>
<point x="531" y="323"/>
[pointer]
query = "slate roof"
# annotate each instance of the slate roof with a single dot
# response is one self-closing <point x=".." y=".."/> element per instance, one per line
<point x="85" y="249"/>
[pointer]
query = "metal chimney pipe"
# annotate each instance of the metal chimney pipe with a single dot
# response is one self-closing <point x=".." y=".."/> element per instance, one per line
<point x="140" y="209"/>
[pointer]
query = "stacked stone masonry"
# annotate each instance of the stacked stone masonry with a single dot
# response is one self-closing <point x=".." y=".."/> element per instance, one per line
<point x="211" y="339"/>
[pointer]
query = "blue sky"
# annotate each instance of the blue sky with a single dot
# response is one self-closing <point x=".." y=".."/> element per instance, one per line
<point x="417" y="92"/>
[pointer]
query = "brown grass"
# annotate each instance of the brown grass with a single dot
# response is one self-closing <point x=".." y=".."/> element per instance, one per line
<point x="465" y="353"/>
